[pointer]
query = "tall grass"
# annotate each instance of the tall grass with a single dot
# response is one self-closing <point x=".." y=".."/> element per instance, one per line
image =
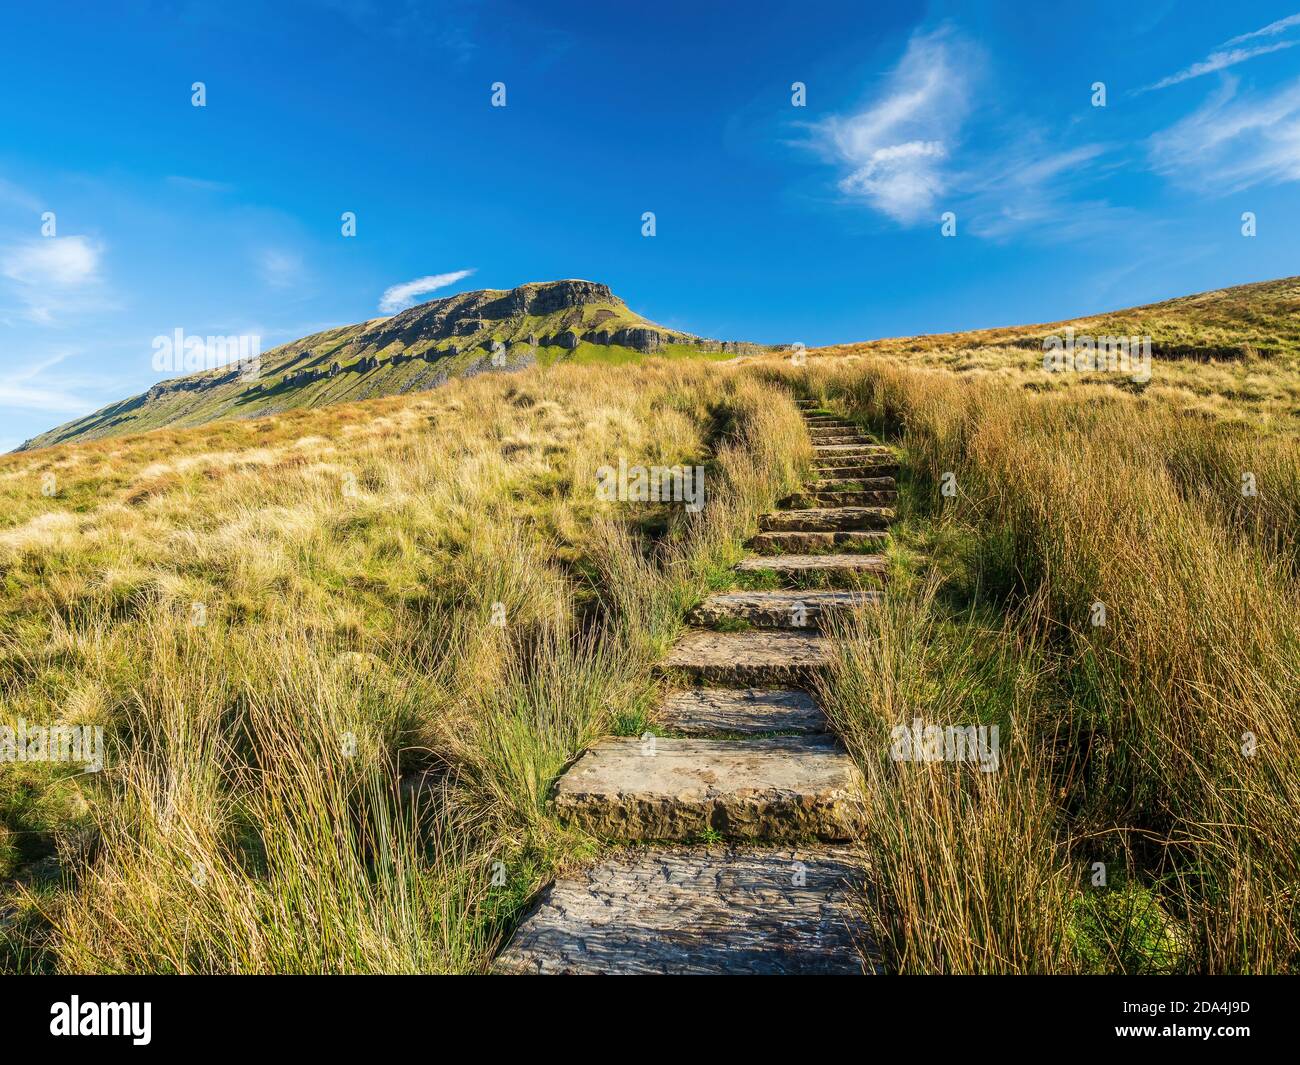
<point x="415" y="612"/>
<point x="1167" y="738"/>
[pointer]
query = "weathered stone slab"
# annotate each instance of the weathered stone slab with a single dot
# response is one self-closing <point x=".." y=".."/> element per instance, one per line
<point x="782" y="609"/>
<point x="756" y="659"/>
<point x="778" y="543"/>
<point x="845" y="468"/>
<point x="785" y="787"/>
<point x="865" y="567"/>
<point x="826" y="519"/>
<point x="808" y="500"/>
<point x="853" y="484"/>
<point x="834" y="433"/>
<point x="717" y="711"/>
<point x="851" y="451"/>
<point x="698" y="910"/>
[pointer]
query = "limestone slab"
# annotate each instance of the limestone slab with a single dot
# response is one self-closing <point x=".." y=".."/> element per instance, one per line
<point x="868" y="567"/>
<point x="783" y="609"/>
<point x="834" y="433"/>
<point x="698" y="910"/>
<point x="871" y="450"/>
<point x="852" y="468"/>
<point x="826" y="519"/>
<point x="852" y="484"/>
<point x="785" y="787"/>
<point x="717" y="711"/>
<point x="749" y="659"/>
<point x="806" y="500"/>
<point x="778" y="543"/>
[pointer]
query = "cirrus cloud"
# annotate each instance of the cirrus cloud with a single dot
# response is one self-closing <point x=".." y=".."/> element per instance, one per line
<point x="399" y="297"/>
<point x="1234" y="140"/>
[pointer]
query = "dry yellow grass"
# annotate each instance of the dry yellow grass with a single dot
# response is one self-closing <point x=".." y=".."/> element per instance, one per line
<point x="1160" y="738"/>
<point x="285" y="624"/>
<point x="1229" y="355"/>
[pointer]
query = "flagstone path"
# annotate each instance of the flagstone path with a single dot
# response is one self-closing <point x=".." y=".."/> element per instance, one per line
<point x="729" y="833"/>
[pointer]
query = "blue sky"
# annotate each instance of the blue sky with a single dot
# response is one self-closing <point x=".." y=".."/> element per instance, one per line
<point x="774" y="222"/>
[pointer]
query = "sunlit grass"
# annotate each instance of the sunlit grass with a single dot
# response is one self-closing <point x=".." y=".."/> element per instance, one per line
<point x="342" y="656"/>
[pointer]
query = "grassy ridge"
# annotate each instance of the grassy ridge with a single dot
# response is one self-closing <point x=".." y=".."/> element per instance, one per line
<point x="1232" y="355"/>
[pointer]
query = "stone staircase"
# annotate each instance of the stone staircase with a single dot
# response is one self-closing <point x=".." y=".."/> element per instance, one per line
<point x="734" y="826"/>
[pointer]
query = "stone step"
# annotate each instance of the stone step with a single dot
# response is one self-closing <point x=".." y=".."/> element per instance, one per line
<point x="831" y="420"/>
<point x="852" y="451"/>
<point x="698" y="910"/>
<point x="780" y="543"/>
<point x="730" y="711"/>
<point x="805" y="500"/>
<point x="782" y="609"/>
<point x="842" y="469"/>
<point x="863" y="567"/>
<point x="785" y="787"/>
<point x="853" y="484"/>
<point x="826" y="519"/>
<point x="832" y="435"/>
<point x="766" y="658"/>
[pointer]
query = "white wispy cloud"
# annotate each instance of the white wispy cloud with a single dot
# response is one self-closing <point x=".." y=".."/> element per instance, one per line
<point x="52" y="274"/>
<point x="1031" y="186"/>
<point x="17" y="196"/>
<point x="399" y="297"/>
<point x="1271" y="30"/>
<point x="279" y="268"/>
<point x="1234" y="141"/>
<point x="32" y="388"/>
<point x="898" y="148"/>
<point x="42" y="400"/>
<point x="52" y="261"/>
<point x="1229" y="54"/>
<point x="901" y="153"/>
<point x="1219" y="61"/>
<point x="196" y="184"/>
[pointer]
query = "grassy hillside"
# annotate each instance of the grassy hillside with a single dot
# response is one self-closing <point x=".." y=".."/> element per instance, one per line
<point x="413" y="351"/>
<point x="341" y="655"/>
<point x="1231" y="354"/>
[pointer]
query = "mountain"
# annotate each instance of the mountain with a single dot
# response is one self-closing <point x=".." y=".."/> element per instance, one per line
<point x="416" y="349"/>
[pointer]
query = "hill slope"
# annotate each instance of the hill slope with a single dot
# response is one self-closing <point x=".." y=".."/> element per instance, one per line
<point x="1225" y="324"/>
<point x="414" y="350"/>
<point x="1231" y="354"/>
